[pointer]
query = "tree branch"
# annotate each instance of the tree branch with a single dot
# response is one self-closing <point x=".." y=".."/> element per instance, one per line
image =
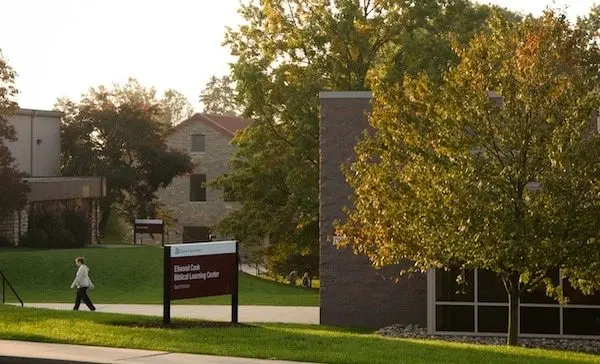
<point x="495" y="148"/>
<point x="296" y="26"/>
<point x="273" y="128"/>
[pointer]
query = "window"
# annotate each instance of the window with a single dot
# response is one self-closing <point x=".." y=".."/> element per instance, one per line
<point x="490" y="287"/>
<point x="540" y="320"/>
<point x="196" y="234"/>
<point x="480" y="305"/>
<point x="538" y="295"/>
<point x="577" y="298"/>
<point x="454" y="318"/>
<point x="581" y="321"/>
<point x="492" y="318"/>
<point x="448" y="289"/>
<point x="198" y="143"/>
<point x="198" y="187"/>
<point x="228" y="195"/>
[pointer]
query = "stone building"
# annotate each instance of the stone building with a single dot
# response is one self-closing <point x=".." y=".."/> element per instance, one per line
<point x="37" y="154"/>
<point x="194" y="207"/>
<point x="355" y="294"/>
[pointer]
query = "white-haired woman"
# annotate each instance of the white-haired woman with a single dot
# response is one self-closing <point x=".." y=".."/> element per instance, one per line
<point x="82" y="282"/>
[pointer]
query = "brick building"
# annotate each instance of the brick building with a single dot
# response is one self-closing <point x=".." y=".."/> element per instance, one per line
<point x="193" y="207"/>
<point x="37" y="153"/>
<point x="355" y="294"/>
<point x="352" y="292"/>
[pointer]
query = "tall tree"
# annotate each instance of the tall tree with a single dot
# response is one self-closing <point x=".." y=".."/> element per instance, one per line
<point x="219" y="97"/>
<point x="118" y="133"/>
<point x="497" y="168"/>
<point x="13" y="192"/>
<point x="289" y="50"/>
<point x="175" y="107"/>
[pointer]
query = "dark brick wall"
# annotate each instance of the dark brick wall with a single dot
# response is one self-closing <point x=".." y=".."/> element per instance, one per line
<point x="352" y="292"/>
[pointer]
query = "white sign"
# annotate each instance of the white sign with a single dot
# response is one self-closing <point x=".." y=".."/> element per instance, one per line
<point x="195" y="249"/>
<point x="337" y="239"/>
<point x="148" y="221"/>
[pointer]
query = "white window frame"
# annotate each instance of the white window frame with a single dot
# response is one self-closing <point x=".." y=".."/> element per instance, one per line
<point x="192" y="144"/>
<point x="432" y="305"/>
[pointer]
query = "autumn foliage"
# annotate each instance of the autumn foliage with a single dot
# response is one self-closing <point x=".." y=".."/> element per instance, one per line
<point x="498" y="168"/>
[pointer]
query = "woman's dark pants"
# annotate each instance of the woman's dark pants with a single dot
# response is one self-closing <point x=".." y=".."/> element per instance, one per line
<point x="82" y="295"/>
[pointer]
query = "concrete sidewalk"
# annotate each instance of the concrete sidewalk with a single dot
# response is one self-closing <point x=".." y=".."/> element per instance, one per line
<point x="282" y="314"/>
<point x="32" y="352"/>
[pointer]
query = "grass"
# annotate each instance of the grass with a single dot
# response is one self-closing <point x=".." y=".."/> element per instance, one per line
<point x="125" y="275"/>
<point x="117" y="230"/>
<point x="277" y="341"/>
<point x="315" y="282"/>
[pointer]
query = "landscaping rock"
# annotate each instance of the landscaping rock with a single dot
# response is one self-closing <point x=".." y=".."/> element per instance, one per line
<point x="591" y="346"/>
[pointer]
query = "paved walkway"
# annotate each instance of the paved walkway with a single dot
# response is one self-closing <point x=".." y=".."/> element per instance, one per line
<point x="31" y="352"/>
<point x="283" y="314"/>
<point x="252" y="269"/>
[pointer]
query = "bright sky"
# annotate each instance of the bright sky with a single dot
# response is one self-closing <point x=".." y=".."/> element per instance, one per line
<point x="63" y="47"/>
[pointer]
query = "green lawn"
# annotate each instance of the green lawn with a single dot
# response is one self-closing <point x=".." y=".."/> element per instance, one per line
<point x="125" y="275"/>
<point x="285" y="342"/>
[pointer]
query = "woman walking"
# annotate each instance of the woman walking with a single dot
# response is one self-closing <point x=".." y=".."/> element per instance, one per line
<point x="82" y="282"/>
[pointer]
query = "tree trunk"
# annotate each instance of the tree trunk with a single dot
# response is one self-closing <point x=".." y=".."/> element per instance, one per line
<point x="104" y="216"/>
<point x="512" y="289"/>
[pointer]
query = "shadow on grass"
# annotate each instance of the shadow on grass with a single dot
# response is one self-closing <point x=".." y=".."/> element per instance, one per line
<point x="309" y="343"/>
<point x="372" y="348"/>
<point x="156" y="323"/>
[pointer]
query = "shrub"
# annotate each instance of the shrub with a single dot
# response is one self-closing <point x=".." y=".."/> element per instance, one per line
<point x="63" y="238"/>
<point x="52" y="230"/>
<point x="35" y="238"/>
<point x="5" y="242"/>
<point x="78" y="224"/>
<point x="282" y="259"/>
<point x="48" y="222"/>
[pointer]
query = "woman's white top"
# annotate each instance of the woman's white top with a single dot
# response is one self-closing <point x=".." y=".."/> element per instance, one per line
<point x="82" y="279"/>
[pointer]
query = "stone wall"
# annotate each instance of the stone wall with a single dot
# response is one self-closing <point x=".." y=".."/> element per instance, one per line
<point x="94" y="218"/>
<point x="352" y="292"/>
<point x="14" y="226"/>
<point x="214" y="163"/>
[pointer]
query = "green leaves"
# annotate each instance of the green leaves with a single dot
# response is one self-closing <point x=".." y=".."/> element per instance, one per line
<point x="447" y="179"/>
<point x="219" y="97"/>
<point x="13" y="192"/>
<point x="120" y="133"/>
<point x="287" y="52"/>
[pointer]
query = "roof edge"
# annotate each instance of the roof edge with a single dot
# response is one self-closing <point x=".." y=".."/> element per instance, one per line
<point x="39" y="112"/>
<point x="202" y="117"/>
<point x="217" y="125"/>
<point x="345" y="95"/>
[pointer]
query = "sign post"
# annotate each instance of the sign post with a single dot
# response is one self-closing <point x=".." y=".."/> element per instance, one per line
<point x="149" y="226"/>
<point x="234" y="293"/>
<point x="167" y="287"/>
<point x="200" y="270"/>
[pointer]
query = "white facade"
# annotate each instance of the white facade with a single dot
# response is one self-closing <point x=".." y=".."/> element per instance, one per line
<point x="37" y="148"/>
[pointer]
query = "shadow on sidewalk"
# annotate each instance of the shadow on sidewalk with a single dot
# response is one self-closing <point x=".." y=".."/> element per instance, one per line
<point x="18" y="360"/>
<point x="178" y="324"/>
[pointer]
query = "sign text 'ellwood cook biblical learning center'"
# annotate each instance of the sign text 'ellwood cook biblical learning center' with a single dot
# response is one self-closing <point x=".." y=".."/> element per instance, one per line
<point x="201" y="270"/>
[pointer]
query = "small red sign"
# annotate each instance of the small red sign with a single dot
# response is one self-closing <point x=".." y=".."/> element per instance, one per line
<point x="148" y="226"/>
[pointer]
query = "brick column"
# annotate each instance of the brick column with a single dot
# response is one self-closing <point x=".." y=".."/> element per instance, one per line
<point x="352" y="292"/>
<point x="14" y="225"/>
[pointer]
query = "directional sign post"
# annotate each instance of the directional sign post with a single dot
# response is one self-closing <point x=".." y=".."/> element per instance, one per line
<point x="149" y="226"/>
<point x="200" y="270"/>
